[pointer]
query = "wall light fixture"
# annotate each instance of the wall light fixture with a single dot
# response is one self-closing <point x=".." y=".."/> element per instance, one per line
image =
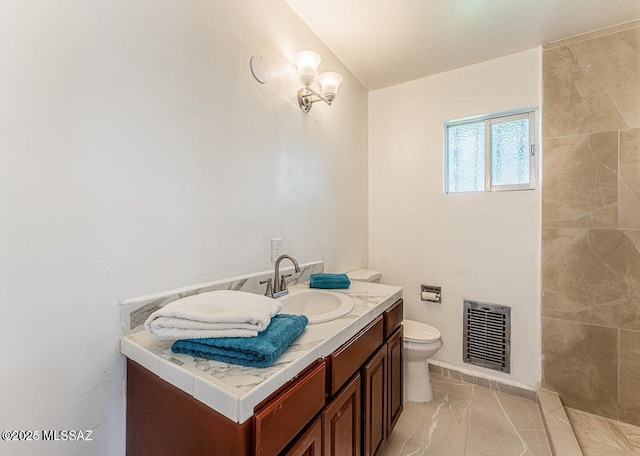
<point x="307" y="63"/>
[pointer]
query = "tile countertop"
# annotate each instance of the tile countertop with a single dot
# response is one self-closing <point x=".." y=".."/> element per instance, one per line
<point x="234" y="390"/>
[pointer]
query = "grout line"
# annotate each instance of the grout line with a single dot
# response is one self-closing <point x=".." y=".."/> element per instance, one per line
<point x="591" y="324"/>
<point x="618" y="376"/>
<point x="473" y="395"/>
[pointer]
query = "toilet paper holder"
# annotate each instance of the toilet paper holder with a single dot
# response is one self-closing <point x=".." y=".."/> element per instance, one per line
<point x="430" y="293"/>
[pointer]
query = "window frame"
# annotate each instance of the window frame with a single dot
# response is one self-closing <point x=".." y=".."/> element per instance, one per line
<point x="491" y="119"/>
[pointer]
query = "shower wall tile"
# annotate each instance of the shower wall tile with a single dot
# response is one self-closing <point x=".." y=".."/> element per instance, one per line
<point x="581" y="364"/>
<point x="629" y="180"/>
<point x="581" y="181"/>
<point x="630" y="377"/>
<point x="614" y="61"/>
<point x="592" y="276"/>
<point x="591" y="221"/>
<point x="592" y="86"/>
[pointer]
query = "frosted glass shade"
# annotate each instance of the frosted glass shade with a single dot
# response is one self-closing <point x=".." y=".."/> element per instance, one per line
<point x="307" y="63"/>
<point x="330" y="82"/>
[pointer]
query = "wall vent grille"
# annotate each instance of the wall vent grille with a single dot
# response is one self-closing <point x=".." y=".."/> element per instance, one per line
<point x="487" y="335"/>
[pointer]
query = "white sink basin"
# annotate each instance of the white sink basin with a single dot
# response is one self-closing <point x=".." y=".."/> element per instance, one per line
<point x="318" y="306"/>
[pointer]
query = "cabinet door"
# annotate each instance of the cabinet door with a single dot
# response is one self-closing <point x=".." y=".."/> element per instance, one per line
<point x="394" y="379"/>
<point x="309" y="443"/>
<point x="374" y="375"/>
<point x="341" y="422"/>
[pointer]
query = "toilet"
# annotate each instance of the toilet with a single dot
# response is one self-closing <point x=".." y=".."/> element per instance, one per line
<point x="421" y="342"/>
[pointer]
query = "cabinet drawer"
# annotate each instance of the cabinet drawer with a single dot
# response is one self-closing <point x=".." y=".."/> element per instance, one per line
<point x="346" y="360"/>
<point x="284" y="416"/>
<point x="393" y="318"/>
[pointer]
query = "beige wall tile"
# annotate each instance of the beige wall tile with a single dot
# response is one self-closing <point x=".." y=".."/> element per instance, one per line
<point x="574" y="101"/>
<point x="614" y="62"/>
<point x="591" y="220"/>
<point x="629" y="395"/>
<point x="629" y="179"/>
<point x="580" y="363"/>
<point x="592" y="276"/>
<point x="581" y="181"/>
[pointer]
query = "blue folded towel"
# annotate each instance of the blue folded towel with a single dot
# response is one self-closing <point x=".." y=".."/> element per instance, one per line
<point x="259" y="351"/>
<point x="325" y="280"/>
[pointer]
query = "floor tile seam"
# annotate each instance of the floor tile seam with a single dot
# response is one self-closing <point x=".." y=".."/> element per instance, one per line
<point x="466" y="440"/>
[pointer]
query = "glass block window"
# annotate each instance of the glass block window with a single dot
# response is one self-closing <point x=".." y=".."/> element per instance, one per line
<point x="491" y="153"/>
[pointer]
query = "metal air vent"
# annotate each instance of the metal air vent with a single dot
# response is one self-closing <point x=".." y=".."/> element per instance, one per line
<point x="487" y="335"/>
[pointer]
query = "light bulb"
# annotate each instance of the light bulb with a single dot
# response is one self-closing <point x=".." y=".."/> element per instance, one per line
<point x="307" y="63"/>
<point x="330" y="82"/>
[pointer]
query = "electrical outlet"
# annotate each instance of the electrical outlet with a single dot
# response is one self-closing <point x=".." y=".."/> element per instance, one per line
<point x="276" y="249"/>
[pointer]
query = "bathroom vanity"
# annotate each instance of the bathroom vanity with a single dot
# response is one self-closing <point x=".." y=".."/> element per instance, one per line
<point x="336" y="391"/>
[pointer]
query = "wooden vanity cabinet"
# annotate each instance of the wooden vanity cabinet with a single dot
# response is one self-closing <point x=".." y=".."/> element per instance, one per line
<point x="344" y="405"/>
<point x="375" y="354"/>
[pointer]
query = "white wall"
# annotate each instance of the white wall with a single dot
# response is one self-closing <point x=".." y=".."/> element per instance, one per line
<point x="476" y="246"/>
<point x="138" y="154"/>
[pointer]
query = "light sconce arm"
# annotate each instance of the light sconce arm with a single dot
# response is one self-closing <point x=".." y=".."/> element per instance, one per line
<point x="305" y="98"/>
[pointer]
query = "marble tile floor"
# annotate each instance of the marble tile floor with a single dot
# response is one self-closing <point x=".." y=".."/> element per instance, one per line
<point x="468" y="420"/>
<point x="599" y="436"/>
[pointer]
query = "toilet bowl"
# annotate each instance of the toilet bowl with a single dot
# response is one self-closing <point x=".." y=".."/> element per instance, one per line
<point x="421" y="342"/>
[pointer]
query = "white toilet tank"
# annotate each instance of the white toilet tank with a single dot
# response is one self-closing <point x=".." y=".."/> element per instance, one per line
<point x="365" y="275"/>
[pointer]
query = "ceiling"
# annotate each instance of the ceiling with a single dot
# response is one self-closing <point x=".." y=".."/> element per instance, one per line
<point x="385" y="42"/>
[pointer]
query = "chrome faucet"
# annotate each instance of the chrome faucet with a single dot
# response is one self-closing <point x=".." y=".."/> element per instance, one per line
<point x="280" y="282"/>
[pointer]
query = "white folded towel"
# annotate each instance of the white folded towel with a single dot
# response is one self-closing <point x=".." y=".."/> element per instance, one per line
<point x="221" y="313"/>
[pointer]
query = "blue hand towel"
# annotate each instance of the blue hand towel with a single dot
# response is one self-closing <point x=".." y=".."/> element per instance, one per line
<point x="325" y="280"/>
<point x="259" y="351"/>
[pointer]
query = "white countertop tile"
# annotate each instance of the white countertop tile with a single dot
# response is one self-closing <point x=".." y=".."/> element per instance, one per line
<point x="211" y="394"/>
<point x="176" y="375"/>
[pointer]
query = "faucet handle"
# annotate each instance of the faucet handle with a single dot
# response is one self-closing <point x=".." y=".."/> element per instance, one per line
<point x="283" y="281"/>
<point x="269" y="290"/>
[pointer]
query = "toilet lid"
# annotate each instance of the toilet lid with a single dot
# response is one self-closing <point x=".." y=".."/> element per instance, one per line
<point x="364" y="275"/>
<point x="416" y="331"/>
